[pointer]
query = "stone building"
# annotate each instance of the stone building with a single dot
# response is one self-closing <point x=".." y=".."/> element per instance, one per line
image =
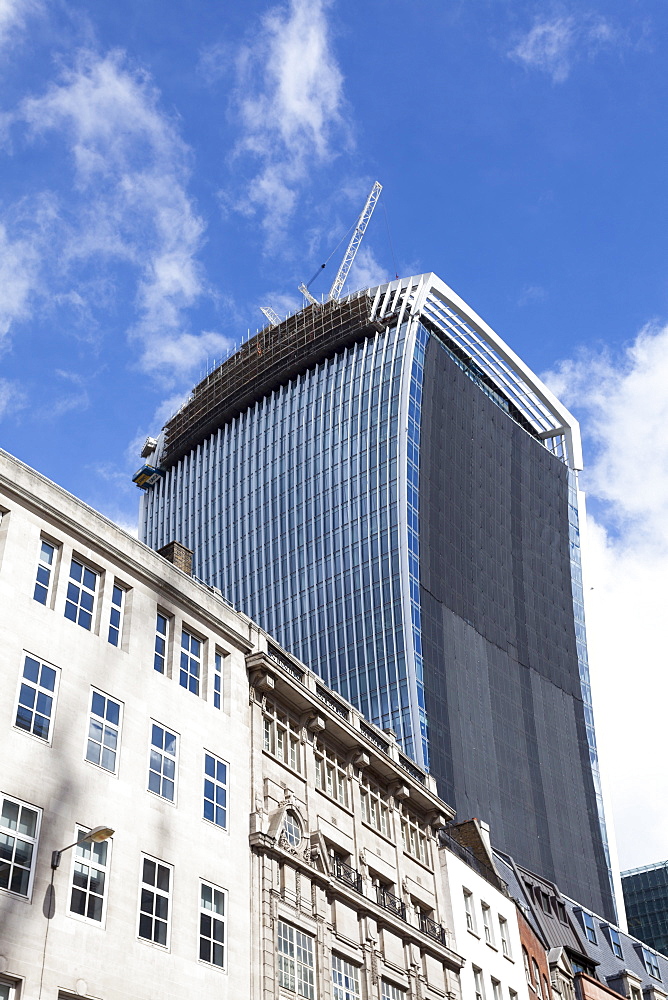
<point x="346" y="869"/>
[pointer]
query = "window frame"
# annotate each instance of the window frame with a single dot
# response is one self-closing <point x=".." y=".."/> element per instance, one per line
<point x="293" y="974"/>
<point x="83" y="588"/>
<point x="504" y="936"/>
<point x="52" y="567"/>
<point x="487" y="924"/>
<point x="469" y="910"/>
<point x="162" y="637"/>
<point x="615" y="942"/>
<point x="589" y="927"/>
<point x="51" y="693"/>
<point x="81" y="831"/>
<point x="154" y="748"/>
<point x="390" y="991"/>
<point x="282" y="738"/>
<point x="478" y="983"/>
<point x="651" y="963"/>
<point x="216" y="783"/>
<point x="414" y="837"/>
<point x="34" y="841"/>
<point x="169" y="895"/>
<point x="375" y="808"/>
<point x="191" y="679"/>
<point x="340" y="991"/>
<point x="202" y="911"/>
<point x="331" y="774"/>
<point x="218" y="659"/>
<point x="121" y="609"/>
<point x="105" y="722"/>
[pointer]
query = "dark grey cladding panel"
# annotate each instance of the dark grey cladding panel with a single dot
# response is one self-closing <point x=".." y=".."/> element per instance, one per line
<point x="502" y="685"/>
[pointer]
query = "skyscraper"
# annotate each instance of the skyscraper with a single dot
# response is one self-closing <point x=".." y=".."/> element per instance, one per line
<point x="384" y="485"/>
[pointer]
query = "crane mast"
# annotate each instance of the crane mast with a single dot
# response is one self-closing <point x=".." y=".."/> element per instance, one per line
<point x="354" y="245"/>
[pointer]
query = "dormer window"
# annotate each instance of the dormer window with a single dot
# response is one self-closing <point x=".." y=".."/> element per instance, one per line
<point x="590" y="930"/>
<point x="615" y="942"/>
<point x="292" y="829"/>
<point x="651" y="963"/>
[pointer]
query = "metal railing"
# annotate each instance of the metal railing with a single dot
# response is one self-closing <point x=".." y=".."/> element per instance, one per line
<point x="390" y="902"/>
<point x="373" y="736"/>
<point x="430" y="927"/>
<point x="348" y="874"/>
<point x="412" y="769"/>
<point x="335" y="705"/>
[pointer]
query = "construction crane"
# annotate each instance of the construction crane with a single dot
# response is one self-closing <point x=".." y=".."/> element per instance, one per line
<point x="273" y="317"/>
<point x="351" y="252"/>
<point x="354" y="245"/>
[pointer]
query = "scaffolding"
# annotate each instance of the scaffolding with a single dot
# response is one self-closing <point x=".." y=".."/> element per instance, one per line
<point x="268" y="360"/>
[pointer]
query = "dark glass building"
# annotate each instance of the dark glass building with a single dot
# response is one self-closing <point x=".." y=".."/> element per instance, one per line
<point x="385" y="487"/>
<point x="646" y="902"/>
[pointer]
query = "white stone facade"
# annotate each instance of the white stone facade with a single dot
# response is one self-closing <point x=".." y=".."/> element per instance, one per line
<point x="486" y="931"/>
<point x="46" y="770"/>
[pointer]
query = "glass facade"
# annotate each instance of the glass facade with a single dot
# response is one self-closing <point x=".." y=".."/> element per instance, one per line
<point x="394" y="500"/>
<point x="292" y="511"/>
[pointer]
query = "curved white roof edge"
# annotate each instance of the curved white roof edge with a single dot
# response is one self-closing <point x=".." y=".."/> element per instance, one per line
<point x="417" y="291"/>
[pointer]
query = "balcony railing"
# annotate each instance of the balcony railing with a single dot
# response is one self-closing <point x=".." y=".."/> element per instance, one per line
<point x="286" y="664"/>
<point x="333" y="703"/>
<point x="348" y="874"/>
<point x="390" y="902"/>
<point x="373" y="736"/>
<point x="430" y="927"/>
<point x="412" y="769"/>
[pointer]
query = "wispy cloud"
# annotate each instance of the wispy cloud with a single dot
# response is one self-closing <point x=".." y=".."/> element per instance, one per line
<point x="19" y="267"/>
<point x="366" y="271"/>
<point x="13" y="16"/>
<point x="623" y="405"/>
<point x="131" y="205"/>
<point x="289" y="102"/>
<point x="12" y="398"/>
<point x="553" y="44"/>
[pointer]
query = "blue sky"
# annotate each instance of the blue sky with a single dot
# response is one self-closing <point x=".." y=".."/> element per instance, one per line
<point x="168" y="168"/>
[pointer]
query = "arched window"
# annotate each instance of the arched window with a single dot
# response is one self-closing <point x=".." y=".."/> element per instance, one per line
<point x="292" y="829"/>
<point x="527" y="968"/>
<point x="546" y="989"/>
<point x="536" y="976"/>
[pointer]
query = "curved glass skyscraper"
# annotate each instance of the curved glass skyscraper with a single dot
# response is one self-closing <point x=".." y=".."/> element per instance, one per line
<point x="386" y="488"/>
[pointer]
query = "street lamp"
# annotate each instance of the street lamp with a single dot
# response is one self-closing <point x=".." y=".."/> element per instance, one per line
<point x="96" y="836"/>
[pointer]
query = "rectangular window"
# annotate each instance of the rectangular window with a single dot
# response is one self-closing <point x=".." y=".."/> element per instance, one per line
<point x="19" y="833"/>
<point x="37" y="698"/>
<point x="45" y="569"/>
<point x="116" y="615"/>
<point x="161" y="636"/>
<point x="487" y="923"/>
<point x="505" y="937"/>
<point x="345" y="979"/>
<point x="282" y="737"/>
<point x="295" y="961"/>
<point x="478" y="983"/>
<point x="81" y="591"/>
<point x="218" y="680"/>
<point x="162" y="763"/>
<point x="375" y="810"/>
<point x="496" y="989"/>
<point x="391" y="992"/>
<point x="212" y="925"/>
<point x="7" y="990"/>
<point x="215" y="790"/>
<point x="651" y="963"/>
<point x="154" y="904"/>
<point x="414" y="837"/>
<point x="104" y="726"/>
<point x="616" y="943"/>
<point x="191" y="662"/>
<point x="330" y="774"/>
<point x="589" y="926"/>
<point x="470" y="912"/>
<point x="89" y="878"/>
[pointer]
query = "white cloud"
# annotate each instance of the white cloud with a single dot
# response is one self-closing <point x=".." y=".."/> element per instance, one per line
<point x="12" y="398"/>
<point x="131" y="171"/>
<point x="290" y="101"/>
<point x="366" y="271"/>
<point x="13" y="16"/>
<point x="623" y="405"/>
<point x="19" y="264"/>
<point x="553" y="44"/>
